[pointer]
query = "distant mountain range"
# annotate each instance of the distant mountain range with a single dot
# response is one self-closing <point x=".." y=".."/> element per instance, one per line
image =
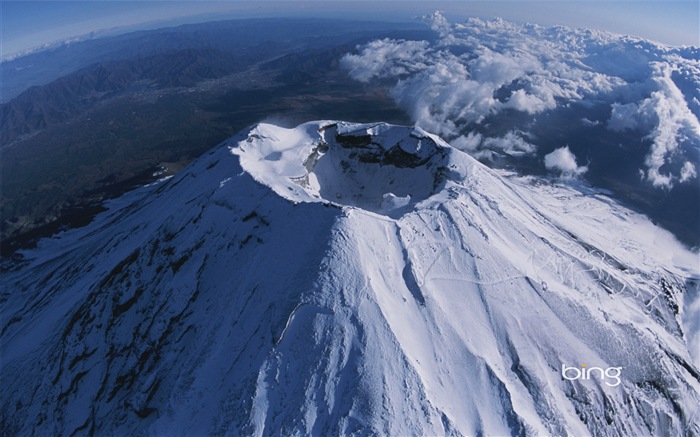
<point x="72" y="95"/>
<point x="231" y="36"/>
<point x="148" y="102"/>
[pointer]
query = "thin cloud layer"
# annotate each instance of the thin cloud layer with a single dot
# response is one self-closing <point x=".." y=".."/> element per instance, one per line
<point x="478" y="73"/>
<point x="512" y="143"/>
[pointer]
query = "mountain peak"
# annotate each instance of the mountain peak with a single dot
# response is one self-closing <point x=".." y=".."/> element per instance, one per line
<point x="209" y="305"/>
<point x="377" y="167"/>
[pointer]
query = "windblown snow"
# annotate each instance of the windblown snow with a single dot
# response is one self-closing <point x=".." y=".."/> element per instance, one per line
<point x="340" y="278"/>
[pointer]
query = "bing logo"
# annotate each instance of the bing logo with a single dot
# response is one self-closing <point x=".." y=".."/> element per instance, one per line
<point x="584" y="373"/>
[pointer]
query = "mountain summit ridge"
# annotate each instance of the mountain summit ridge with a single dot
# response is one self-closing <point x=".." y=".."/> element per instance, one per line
<point x="377" y="167"/>
<point x="269" y="288"/>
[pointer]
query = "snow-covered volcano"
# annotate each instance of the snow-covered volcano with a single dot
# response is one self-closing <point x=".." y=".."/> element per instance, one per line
<point x="374" y="167"/>
<point x="338" y="278"/>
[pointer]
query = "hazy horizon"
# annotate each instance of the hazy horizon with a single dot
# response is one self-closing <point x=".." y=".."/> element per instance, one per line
<point x="29" y="25"/>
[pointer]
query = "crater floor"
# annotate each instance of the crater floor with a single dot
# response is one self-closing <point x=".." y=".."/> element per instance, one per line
<point x="377" y="167"/>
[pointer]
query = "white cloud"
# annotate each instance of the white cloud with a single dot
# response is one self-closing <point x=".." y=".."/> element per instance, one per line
<point x="623" y="117"/>
<point x="675" y="123"/>
<point x="688" y="172"/>
<point x="530" y="103"/>
<point x="666" y="118"/>
<point x="438" y="23"/>
<point x="469" y="143"/>
<point x="386" y="58"/>
<point x="478" y="71"/>
<point x="564" y="162"/>
<point x="512" y="144"/>
<point x="501" y="69"/>
<point x="453" y="84"/>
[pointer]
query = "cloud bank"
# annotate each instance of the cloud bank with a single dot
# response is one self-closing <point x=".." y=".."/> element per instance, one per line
<point x="479" y="73"/>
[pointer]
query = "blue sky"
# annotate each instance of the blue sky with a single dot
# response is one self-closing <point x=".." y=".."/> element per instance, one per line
<point x="27" y="24"/>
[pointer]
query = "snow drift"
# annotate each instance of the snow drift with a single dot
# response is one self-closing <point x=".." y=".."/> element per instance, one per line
<point x="338" y="278"/>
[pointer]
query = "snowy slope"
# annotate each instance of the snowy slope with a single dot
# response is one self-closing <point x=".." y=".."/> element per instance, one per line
<point x="339" y="278"/>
